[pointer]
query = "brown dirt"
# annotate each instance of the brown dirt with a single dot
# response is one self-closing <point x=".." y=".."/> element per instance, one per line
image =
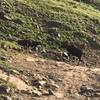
<point x="70" y="78"/>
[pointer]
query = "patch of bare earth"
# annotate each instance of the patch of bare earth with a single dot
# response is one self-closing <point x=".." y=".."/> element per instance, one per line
<point x="71" y="79"/>
<point x="20" y="84"/>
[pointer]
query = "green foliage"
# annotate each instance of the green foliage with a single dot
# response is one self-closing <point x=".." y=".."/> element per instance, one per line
<point x="9" y="45"/>
<point x="30" y="20"/>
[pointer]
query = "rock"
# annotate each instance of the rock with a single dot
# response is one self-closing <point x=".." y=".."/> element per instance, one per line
<point x="53" y="84"/>
<point x="4" y="89"/>
<point x="32" y="98"/>
<point x="77" y="95"/>
<point x="45" y="92"/>
<point x="59" y="95"/>
<point x="98" y="94"/>
<point x="87" y="91"/>
<point x="30" y="59"/>
<point x="65" y="54"/>
<point x="42" y="83"/>
<point x="7" y="17"/>
<point x="3" y="58"/>
<point x="43" y="86"/>
<point x="5" y="97"/>
<point x="36" y="92"/>
<point x="84" y="88"/>
<point x="15" y="72"/>
<point x="39" y="49"/>
<point x="51" y="92"/>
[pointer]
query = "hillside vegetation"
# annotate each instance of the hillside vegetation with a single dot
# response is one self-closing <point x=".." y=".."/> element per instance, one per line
<point x="50" y="23"/>
<point x="49" y="49"/>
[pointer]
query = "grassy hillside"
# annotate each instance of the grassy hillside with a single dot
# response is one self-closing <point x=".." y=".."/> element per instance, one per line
<point x="94" y="3"/>
<point x="50" y="22"/>
<point x="63" y="30"/>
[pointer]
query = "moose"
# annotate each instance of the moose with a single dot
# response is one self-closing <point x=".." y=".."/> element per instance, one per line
<point x="72" y="50"/>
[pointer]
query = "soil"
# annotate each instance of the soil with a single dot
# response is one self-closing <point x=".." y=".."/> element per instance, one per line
<point x="69" y="78"/>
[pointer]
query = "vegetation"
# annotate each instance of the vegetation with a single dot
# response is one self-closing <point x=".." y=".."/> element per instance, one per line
<point x="50" y="22"/>
<point x="50" y="28"/>
<point x="9" y="45"/>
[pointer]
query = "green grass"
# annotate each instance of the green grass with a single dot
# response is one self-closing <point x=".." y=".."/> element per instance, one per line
<point x="9" y="45"/>
<point x="29" y="20"/>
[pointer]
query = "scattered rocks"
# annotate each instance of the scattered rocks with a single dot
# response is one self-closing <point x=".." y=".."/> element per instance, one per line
<point x="4" y="89"/>
<point x="3" y="97"/>
<point x="89" y="91"/>
<point x="38" y="86"/>
<point x="43" y="86"/>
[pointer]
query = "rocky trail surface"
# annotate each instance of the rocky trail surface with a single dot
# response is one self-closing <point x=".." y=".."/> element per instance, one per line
<point x="44" y="79"/>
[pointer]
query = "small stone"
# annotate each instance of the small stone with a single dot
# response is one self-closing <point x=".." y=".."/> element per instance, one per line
<point x="36" y="92"/>
<point x="16" y="72"/>
<point x="65" y="54"/>
<point x="77" y="95"/>
<point x="42" y="82"/>
<point x="30" y="59"/>
<point x="98" y="94"/>
<point x="4" y="89"/>
<point x="7" y="17"/>
<point x="85" y="88"/>
<point x="51" y="92"/>
<point x="53" y="84"/>
<point x="45" y="92"/>
<point x="59" y="95"/>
